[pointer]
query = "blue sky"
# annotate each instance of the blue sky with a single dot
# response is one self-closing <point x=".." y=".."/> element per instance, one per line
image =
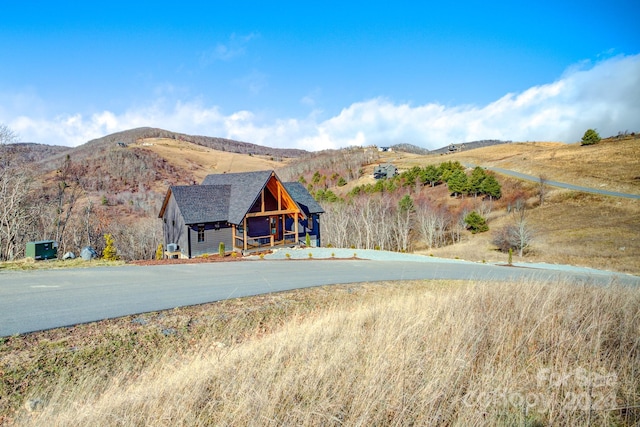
<point x="321" y="75"/>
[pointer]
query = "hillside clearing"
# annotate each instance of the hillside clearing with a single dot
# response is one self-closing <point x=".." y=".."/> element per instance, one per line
<point x="201" y="161"/>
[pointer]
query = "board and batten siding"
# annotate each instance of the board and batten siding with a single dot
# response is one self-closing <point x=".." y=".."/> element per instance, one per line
<point x="175" y="230"/>
<point x="212" y="239"/>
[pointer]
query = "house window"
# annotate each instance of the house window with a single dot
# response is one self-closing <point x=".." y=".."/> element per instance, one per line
<point x="200" y="233"/>
<point x="310" y="222"/>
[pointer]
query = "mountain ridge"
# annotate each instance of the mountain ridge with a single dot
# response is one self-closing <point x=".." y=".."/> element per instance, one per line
<point x="217" y="143"/>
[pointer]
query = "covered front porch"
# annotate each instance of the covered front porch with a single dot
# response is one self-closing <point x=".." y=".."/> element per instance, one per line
<point x="266" y="231"/>
<point x="273" y="220"/>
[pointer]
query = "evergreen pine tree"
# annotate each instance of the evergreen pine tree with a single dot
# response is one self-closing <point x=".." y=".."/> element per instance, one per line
<point x="406" y="204"/>
<point x="491" y="187"/>
<point x="475" y="182"/>
<point x="431" y="174"/>
<point x="458" y="182"/>
<point x="590" y="137"/>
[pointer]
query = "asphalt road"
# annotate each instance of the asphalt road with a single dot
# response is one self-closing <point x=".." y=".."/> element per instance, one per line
<point x="44" y="299"/>
<point x="560" y="184"/>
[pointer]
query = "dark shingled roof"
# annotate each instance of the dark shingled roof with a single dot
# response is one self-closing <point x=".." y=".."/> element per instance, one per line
<point x="303" y="198"/>
<point x="228" y="197"/>
<point x="245" y="190"/>
<point x="202" y="203"/>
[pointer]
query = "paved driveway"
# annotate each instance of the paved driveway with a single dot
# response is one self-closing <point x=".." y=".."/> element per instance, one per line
<point x="44" y="299"/>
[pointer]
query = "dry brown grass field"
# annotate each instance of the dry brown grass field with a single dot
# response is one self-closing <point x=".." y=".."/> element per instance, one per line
<point x="409" y="353"/>
<point x="202" y="161"/>
<point x="613" y="164"/>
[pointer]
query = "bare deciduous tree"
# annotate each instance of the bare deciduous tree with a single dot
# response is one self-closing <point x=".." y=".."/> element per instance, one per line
<point x="138" y="240"/>
<point x="518" y="235"/>
<point x="15" y="211"/>
<point x="68" y="191"/>
<point x="431" y="224"/>
<point x="542" y="188"/>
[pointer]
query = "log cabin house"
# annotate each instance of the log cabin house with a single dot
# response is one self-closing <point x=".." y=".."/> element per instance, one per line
<point x="245" y="211"/>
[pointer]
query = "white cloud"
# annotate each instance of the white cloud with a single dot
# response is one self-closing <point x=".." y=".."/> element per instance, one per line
<point x="233" y="48"/>
<point x="605" y="96"/>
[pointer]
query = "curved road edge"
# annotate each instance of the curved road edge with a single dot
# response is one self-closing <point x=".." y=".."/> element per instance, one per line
<point x="45" y="299"/>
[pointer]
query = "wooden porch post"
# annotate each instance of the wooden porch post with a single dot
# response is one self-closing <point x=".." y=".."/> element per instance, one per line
<point x="233" y="236"/>
<point x="244" y="232"/>
<point x="279" y="198"/>
<point x="295" y="227"/>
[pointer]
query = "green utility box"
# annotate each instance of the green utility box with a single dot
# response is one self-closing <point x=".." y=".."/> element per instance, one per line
<point x="44" y="249"/>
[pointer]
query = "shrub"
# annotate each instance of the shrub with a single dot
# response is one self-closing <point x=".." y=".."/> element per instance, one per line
<point x="159" y="251"/>
<point x="110" y="253"/>
<point x="476" y="223"/>
<point x="307" y="240"/>
<point x="221" y="249"/>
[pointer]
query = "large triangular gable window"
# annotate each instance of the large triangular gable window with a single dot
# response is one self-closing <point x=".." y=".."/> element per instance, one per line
<point x="274" y="198"/>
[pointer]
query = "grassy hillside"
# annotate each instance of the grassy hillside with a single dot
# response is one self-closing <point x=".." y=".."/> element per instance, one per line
<point x="223" y="144"/>
<point x="613" y="164"/>
<point x="200" y="161"/>
<point x="412" y="353"/>
<point x="570" y="227"/>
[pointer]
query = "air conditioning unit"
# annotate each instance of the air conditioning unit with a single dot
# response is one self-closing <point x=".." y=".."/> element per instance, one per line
<point x="172" y="247"/>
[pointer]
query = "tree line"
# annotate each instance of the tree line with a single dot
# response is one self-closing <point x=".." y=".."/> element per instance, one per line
<point x="401" y="214"/>
<point x="394" y="222"/>
<point x="453" y="174"/>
